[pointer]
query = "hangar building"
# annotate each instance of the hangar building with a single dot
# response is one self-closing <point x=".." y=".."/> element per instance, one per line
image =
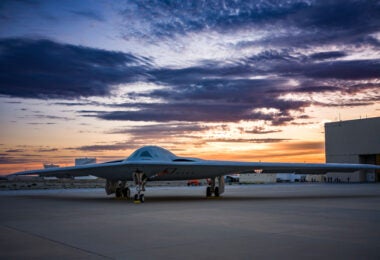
<point x="354" y="141"/>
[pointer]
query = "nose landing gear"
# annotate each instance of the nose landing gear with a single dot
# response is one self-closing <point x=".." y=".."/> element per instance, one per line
<point x="122" y="191"/>
<point x="140" y="180"/>
<point x="139" y="198"/>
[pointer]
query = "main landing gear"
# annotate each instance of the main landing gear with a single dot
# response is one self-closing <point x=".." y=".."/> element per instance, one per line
<point x="212" y="189"/>
<point x="122" y="190"/>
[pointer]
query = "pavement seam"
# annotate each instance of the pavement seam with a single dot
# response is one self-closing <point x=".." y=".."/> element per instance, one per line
<point x="55" y="241"/>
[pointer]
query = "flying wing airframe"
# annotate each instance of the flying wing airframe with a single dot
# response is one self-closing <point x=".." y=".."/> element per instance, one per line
<point x="153" y="163"/>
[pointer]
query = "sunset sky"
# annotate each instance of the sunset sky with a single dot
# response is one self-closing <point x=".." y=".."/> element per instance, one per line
<point x="231" y="80"/>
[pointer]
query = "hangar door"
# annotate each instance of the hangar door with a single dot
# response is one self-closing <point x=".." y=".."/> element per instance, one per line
<point x="372" y="159"/>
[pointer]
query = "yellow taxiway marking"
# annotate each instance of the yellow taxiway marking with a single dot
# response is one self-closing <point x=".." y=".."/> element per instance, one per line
<point x="213" y="198"/>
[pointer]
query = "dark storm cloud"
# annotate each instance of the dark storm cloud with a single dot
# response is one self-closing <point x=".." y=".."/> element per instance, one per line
<point x="345" y="104"/>
<point x="225" y="88"/>
<point x="291" y="64"/>
<point x="344" y="70"/>
<point x="14" y="151"/>
<point x="313" y="89"/>
<point x="339" y="15"/>
<point x="101" y="147"/>
<point x="34" y="123"/>
<point x="12" y="160"/>
<point x="224" y="93"/>
<point x="314" y="21"/>
<point x="44" y="150"/>
<point x="261" y="130"/>
<point x="328" y="55"/>
<point x="243" y="140"/>
<point x="130" y="144"/>
<point x="79" y="103"/>
<point x="308" y="145"/>
<point x="188" y="112"/>
<point x="160" y="129"/>
<point x="170" y="17"/>
<point x="200" y="112"/>
<point x="368" y="40"/>
<point x="344" y="87"/>
<point x="159" y="134"/>
<point x="211" y="91"/>
<point x="49" y="117"/>
<point x="46" y="69"/>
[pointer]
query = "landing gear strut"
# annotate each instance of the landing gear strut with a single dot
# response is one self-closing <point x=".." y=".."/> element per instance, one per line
<point x="140" y="180"/>
<point x="126" y="193"/>
<point x="212" y="189"/>
<point x="122" y="190"/>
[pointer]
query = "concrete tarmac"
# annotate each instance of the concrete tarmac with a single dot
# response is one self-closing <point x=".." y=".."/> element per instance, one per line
<point x="272" y="221"/>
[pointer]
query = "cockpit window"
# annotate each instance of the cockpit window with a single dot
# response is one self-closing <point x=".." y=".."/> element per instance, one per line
<point x="151" y="153"/>
<point x="145" y="154"/>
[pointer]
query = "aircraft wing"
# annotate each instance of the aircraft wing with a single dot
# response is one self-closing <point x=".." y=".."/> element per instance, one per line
<point x="209" y="169"/>
<point x="112" y="170"/>
<point x="187" y="169"/>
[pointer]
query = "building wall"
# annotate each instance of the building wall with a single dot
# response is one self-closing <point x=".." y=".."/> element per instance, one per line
<point x="346" y="140"/>
<point x="353" y="141"/>
<point x="85" y="160"/>
<point x="257" y="178"/>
